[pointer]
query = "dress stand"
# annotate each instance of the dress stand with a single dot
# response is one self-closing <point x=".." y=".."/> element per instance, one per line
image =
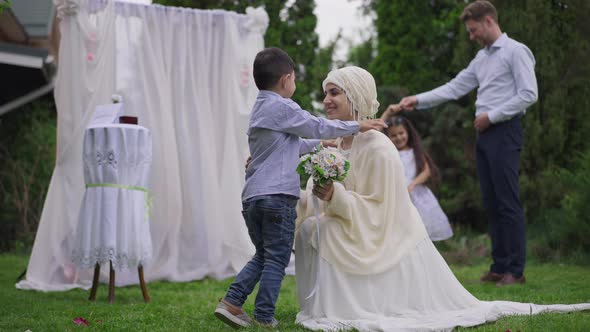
<point x="142" y="283"/>
<point x="114" y="220"/>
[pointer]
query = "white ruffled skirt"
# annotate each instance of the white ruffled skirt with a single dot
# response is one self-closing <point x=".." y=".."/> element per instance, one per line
<point x="434" y="218"/>
<point x="420" y="293"/>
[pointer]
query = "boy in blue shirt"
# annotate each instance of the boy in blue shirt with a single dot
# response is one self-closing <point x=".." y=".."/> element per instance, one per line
<point x="271" y="191"/>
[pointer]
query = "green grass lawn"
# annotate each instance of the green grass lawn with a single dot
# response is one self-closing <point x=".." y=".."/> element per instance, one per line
<point x="189" y="306"/>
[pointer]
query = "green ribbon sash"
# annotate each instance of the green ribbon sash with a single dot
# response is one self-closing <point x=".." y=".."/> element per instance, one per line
<point x="148" y="194"/>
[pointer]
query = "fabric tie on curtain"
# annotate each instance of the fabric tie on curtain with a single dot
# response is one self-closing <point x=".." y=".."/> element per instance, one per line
<point x="185" y="74"/>
<point x="65" y="8"/>
<point x="258" y="19"/>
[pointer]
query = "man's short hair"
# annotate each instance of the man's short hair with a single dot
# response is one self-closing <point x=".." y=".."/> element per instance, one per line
<point x="479" y="9"/>
<point x="269" y="65"/>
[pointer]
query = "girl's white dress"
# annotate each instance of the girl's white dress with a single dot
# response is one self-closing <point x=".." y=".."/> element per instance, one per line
<point x="433" y="217"/>
<point x="371" y="263"/>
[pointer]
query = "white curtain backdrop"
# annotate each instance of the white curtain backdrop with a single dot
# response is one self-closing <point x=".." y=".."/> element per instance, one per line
<point x="187" y="75"/>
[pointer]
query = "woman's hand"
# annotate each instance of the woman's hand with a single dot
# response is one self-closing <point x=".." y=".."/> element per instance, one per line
<point x="324" y="192"/>
<point x="411" y="187"/>
<point x="377" y="124"/>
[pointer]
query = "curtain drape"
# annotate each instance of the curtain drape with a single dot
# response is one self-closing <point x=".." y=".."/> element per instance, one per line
<point x="186" y="74"/>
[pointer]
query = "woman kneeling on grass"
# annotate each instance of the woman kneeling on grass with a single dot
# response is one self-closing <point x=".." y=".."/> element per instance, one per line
<point x="366" y="261"/>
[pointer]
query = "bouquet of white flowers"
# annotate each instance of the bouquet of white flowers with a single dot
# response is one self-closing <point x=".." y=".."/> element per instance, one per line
<point x="322" y="165"/>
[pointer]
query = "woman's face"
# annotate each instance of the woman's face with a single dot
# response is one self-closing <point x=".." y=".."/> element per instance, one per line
<point x="336" y="103"/>
<point x="399" y="136"/>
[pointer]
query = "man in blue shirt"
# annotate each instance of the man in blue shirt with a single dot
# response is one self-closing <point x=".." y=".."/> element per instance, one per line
<point x="271" y="191"/>
<point x="504" y="75"/>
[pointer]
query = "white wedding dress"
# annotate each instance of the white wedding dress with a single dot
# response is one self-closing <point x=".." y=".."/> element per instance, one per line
<point x="408" y="286"/>
<point x="421" y="293"/>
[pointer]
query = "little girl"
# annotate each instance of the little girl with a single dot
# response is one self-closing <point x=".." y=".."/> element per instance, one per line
<point x="420" y="172"/>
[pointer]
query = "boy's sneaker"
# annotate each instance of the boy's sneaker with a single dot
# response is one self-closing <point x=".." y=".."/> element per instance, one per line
<point x="269" y="325"/>
<point x="232" y="315"/>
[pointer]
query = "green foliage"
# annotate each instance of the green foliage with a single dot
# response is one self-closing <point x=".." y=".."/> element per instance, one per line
<point x="557" y="125"/>
<point x="27" y="158"/>
<point x="4" y="4"/>
<point x="300" y="40"/>
<point x="415" y="42"/>
<point x="363" y="54"/>
<point x="567" y="228"/>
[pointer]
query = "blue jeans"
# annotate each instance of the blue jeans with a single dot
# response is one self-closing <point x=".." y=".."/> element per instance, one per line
<point x="271" y="225"/>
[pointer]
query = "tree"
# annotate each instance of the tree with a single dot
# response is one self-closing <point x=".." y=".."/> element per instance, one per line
<point x="415" y="41"/>
<point x="363" y="54"/>
<point x="300" y="40"/>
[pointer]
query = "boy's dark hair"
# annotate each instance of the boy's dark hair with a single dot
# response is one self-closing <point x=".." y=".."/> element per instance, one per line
<point x="420" y="155"/>
<point x="269" y="65"/>
<point x="477" y="10"/>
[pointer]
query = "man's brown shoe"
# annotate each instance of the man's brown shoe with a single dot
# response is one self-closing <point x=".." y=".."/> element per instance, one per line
<point x="510" y="279"/>
<point x="491" y="277"/>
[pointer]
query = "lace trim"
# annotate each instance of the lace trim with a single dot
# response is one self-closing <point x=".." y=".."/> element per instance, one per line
<point x="85" y="259"/>
<point x="107" y="158"/>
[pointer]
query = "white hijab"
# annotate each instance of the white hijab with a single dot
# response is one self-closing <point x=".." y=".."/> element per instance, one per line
<point x="359" y="86"/>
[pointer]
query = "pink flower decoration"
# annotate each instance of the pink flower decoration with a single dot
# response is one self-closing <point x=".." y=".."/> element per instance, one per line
<point x="90" y="56"/>
<point x="80" y="321"/>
